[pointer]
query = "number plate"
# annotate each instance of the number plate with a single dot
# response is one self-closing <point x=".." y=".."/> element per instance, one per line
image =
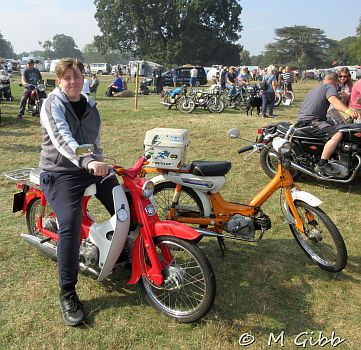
<point x="18" y="202"/>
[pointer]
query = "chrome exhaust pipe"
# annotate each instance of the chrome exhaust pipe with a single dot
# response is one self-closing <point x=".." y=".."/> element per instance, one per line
<point x="208" y="233"/>
<point x="49" y="250"/>
<point x="166" y="103"/>
<point x="325" y="178"/>
<point x="46" y="248"/>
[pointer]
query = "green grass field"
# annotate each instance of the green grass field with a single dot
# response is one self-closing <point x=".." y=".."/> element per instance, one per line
<point x="262" y="289"/>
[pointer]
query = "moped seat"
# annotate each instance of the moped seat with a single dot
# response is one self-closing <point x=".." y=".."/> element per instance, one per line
<point x="34" y="177"/>
<point x="206" y="168"/>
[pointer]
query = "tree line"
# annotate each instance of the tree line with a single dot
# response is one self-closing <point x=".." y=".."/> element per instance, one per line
<point x="193" y="31"/>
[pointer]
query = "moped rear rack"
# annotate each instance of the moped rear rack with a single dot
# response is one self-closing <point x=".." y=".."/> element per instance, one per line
<point x="21" y="175"/>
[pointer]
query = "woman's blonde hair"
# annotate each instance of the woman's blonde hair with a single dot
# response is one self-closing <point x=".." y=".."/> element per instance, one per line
<point x="68" y="62"/>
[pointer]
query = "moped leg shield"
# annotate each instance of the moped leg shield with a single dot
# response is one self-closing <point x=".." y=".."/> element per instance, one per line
<point x="110" y="236"/>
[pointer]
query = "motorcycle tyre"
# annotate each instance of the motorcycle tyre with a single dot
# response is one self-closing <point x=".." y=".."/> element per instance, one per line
<point x="204" y="266"/>
<point x="215" y="105"/>
<point x="186" y="105"/>
<point x="271" y="170"/>
<point x="341" y="256"/>
<point x="277" y="99"/>
<point x="287" y="95"/>
<point x="31" y="219"/>
<point x="166" y="99"/>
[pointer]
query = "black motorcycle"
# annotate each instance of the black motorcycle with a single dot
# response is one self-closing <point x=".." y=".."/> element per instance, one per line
<point x="307" y="149"/>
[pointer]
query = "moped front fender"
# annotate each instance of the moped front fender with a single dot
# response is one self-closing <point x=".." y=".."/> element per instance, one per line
<point x="303" y="196"/>
<point x="161" y="228"/>
<point x="202" y="195"/>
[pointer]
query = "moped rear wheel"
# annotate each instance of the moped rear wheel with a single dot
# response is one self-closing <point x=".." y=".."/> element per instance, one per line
<point x="277" y="99"/>
<point x="322" y="242"/>
<point x="189" y="285"/>
<point x="32" y="215"/>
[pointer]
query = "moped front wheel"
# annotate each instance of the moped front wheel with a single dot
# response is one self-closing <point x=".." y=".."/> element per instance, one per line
<point x="287" y="98"/>
<point x="189" y="286"/>
<point x="321" y="241"/>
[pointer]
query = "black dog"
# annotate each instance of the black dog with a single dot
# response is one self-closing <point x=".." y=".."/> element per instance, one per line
<point x="252" y="102"/>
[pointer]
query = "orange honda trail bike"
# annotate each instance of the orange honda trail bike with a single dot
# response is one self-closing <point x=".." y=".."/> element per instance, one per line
<point x="191" y="195"/>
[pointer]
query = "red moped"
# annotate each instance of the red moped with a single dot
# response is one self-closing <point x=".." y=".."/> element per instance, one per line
<point x="174" y="272"/>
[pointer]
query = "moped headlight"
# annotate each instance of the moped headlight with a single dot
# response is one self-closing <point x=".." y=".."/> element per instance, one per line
<point x="281" y="145"/>
<point x="41" y="87"/>
<point x="148" y="189"/>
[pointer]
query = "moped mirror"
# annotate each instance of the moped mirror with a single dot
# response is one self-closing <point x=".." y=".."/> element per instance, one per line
<point x="234" y="133"/>
<point x="83" y="150"/>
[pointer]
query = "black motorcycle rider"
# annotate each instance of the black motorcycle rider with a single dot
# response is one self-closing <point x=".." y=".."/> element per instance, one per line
<point x="30" y="76"/>
<point x="313" y="112"/>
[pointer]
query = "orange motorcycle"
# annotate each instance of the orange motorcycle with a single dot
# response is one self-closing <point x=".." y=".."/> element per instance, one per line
<point x="191" y="195"/>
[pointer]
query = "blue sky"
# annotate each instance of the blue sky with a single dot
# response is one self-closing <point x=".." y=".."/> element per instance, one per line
<point x="26" y="22"/>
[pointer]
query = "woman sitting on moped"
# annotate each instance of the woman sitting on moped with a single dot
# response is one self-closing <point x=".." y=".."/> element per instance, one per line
<point x="68" y="119"/>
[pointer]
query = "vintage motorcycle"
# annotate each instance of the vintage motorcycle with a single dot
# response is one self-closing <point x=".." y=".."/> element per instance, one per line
<point x="307" y="149"/>
<point x="174" y="272"/>
<point x="208" y="99"/>
<point x="36" y="97"/>
<point x="191" y="195"/>
<point x="178" y="98"/>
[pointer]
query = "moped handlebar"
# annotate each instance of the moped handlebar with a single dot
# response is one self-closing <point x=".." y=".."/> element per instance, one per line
<point x="245" y="149"/>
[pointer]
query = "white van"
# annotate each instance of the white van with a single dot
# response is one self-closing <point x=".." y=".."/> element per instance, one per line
<point x="100" y="68"/>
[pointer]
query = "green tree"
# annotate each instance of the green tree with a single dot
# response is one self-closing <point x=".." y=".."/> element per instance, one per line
<point x="64" y="46"/>
<point x="171" y="32"/>
<point x="92" y="54"/>
<point x="245" y="58"/>
<point x="340" y="52"/>
<point x="298" y="46"/>
<point x="355" y="47"/>
<point x="6" y="49"/>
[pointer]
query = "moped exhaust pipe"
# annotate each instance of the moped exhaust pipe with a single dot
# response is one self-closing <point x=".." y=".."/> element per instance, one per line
<point x="325" y="178"/>
<point x="46" y="248"/>
<point x="166" y="103"/>
<point x="49" y="250"/>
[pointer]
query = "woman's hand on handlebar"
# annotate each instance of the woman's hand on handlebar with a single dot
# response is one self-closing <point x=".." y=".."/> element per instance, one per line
<point x="98" y="168"/>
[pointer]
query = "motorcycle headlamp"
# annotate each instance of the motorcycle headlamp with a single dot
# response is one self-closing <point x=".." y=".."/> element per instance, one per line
<point x="148" y="189"/>
<point x="281" y="145"/>
<point x="41" y="87"/>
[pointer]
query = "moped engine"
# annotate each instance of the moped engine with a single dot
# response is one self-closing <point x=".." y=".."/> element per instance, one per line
<point x="89" y="253"/>
<point x="239" y="225"/>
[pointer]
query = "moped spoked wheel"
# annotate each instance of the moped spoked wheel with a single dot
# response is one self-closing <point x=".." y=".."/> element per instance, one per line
<point x="322" y="241"/>
<point x="186" y="104"/>
<point x="188" y="205"/>
<point x="189" y="285"/>
<point x="269" y="162"/>
<point x="32" y="214"/>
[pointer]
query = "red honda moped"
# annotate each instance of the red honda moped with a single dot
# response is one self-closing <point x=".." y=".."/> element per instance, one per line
<point x="174" y="272"/>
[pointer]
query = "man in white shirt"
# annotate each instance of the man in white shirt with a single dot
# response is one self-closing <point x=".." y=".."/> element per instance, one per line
<point x="193" y="79"/>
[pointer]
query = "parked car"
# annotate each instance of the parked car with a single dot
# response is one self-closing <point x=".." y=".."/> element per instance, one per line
<point x="100" y="68"/>
<point x="184" y="76"/>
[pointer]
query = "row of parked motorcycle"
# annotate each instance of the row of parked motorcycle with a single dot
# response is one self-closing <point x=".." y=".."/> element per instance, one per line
<point x="215" y="100"/>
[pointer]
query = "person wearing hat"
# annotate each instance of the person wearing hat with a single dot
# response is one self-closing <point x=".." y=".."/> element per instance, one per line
<point x="30" y="76"/>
